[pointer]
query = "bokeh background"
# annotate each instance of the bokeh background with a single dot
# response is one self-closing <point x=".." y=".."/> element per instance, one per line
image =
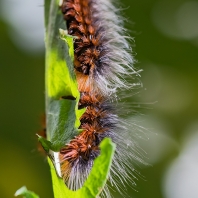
<point x="166" y="47"/>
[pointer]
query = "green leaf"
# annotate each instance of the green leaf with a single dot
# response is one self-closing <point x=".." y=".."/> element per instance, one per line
<point x="60" y="77"/>
<point x="26" y="193"/>
<point x="62" y="114"/>
<point x="47" y="145"/>
<point x="96" y="180"/>
<point x="61" y="124"/>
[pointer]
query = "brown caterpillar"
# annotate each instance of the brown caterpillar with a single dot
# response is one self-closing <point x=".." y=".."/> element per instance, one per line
<point x="102" y="60"/>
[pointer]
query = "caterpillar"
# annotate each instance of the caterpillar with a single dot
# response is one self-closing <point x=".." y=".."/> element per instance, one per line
<point x="102" y="61"/>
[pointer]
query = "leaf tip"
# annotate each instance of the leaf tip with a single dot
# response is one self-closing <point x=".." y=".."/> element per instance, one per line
<point x="20" y="191"/>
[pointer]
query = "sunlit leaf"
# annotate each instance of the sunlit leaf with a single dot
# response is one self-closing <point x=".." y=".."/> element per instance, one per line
<point x="62" y="95"/>
<point x="96" y="180"/>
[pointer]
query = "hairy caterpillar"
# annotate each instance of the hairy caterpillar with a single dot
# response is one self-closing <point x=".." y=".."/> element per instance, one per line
<point x="102" y="62"/>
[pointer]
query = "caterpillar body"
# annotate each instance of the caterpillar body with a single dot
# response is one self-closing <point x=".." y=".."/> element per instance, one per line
<point x="102" y="60"/>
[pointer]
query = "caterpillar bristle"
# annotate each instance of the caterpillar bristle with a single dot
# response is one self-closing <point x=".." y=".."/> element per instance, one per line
<point x="102" y="60"/>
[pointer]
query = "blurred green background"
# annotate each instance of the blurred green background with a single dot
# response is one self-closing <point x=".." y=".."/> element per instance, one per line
<point x="166" y="47"/>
